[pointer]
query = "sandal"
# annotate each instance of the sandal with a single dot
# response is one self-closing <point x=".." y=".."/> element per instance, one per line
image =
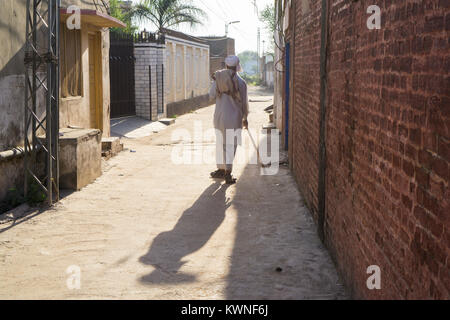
<point x="229" y="179"/>
<point x="218" y="174"/>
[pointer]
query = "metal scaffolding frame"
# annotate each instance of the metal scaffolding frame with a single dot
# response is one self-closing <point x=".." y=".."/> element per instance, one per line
<point x="42" y="80"/>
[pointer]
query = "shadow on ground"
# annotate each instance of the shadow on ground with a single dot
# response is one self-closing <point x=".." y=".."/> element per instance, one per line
<point x="134" y="127"/>
<point x="191" y="233"/>
<point x="277" y="253"/>
<point x="25" y="212"/>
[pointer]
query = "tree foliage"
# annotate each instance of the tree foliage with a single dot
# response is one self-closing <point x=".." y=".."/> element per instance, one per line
<point x="268" y="17"/>
<point x="167" y="13"/>
<point x="120" y="12"/>
<point x="249" y="62"/>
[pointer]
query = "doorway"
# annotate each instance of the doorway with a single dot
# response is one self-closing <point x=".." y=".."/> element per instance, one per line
<point x="95" y="82"/>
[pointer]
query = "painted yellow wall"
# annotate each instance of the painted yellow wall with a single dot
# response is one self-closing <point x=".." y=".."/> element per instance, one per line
<point x="75" y="111"/>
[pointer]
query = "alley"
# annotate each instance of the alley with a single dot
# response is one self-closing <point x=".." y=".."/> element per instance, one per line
<point x="151" y="229"/>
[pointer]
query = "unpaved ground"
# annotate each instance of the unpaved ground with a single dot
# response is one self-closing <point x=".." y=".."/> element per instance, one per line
<point x="150" y="229"/>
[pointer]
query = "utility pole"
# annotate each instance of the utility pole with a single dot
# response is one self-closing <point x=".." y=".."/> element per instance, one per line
<point x="42" y="78"/>
<point x="227" y="25"/>
<point x="259" y="51"/>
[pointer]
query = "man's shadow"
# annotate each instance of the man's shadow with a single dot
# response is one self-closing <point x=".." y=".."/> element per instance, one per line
<point x="192" y="232"/>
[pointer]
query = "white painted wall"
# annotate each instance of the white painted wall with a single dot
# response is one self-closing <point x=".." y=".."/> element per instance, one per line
<point x="187" y="69"/>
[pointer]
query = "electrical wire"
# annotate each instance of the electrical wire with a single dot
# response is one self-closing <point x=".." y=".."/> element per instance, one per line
<point x="216" y="14"/>
<point x="224" y="11"/>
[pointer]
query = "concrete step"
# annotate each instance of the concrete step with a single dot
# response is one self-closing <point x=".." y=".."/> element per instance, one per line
<point x="269" y="109"/>
<point x="111" y="146"/>
<point x="269" y="127"/>
<point x="167" y="121"/>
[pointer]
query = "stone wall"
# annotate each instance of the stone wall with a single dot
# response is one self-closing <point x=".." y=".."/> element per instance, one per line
<point x="182" y="107"/>
<point x="149" y="58"/>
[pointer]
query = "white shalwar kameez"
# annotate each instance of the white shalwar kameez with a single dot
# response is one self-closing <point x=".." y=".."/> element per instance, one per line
<point x="228" y="117"/>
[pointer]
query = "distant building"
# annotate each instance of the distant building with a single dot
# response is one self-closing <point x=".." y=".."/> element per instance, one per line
<point x="171" y="74"/>
<point x="220" y="48"/>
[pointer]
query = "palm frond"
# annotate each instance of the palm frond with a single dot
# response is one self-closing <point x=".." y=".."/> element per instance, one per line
<point x="167" y="13"/>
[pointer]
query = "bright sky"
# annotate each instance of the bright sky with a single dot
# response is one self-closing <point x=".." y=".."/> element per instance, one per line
<point x="220" y="12"/>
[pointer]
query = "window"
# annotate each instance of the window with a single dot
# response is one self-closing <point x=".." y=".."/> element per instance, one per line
<point x="70" y="62"/>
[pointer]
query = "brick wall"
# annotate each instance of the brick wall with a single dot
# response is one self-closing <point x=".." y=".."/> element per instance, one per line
<point x="305" y="115"/>
<point x="387" y="141"/>
<point x="220" y="48"/>
<point x="148" y="57"/>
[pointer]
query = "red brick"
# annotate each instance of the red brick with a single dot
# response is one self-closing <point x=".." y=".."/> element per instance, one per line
<point x="407" y="202"/>
<point x="425" y="159"/>
<point x="428" y="222"/>
<point x="440" y="167"/>
<point x="444" y="148"/>
<point x="422" y="177"/>
<point x="415" y="136"/>
<point x="408" y="168"/>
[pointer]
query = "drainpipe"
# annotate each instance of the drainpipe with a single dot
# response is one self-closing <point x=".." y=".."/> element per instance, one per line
<point x="10" y="154"/>
<point x="16" y="153"/>
<point x="322" y="119"/>
<point x="293" y="84"/>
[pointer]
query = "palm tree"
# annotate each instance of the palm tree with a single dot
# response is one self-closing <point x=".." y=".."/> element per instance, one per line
<point x="167" y="13"/>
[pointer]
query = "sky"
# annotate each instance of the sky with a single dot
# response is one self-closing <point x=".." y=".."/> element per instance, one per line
<point x="220" y="12"/>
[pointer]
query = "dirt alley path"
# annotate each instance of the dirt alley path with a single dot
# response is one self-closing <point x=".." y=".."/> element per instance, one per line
<point x="150" y="229"/>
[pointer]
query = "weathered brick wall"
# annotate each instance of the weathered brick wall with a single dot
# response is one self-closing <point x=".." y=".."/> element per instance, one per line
<point x="220" y="48"/>
<point x="148" y="57"/>
<point x="387" y="139"/>
<point x="305" y="115"/>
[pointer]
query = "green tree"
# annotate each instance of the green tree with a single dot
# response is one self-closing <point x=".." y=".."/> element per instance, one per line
<point x="268" y="17"/>
<point x="119" y="10"/>
<point x="167" y="13"/>
<point x="248" y="61"/>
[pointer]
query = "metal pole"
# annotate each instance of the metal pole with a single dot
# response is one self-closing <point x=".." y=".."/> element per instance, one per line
<point x="42" y="49"/>
<point x="26" y="113"/>
<point x="258" y="49"/>
<point x="56" y="95"/>
<point x="48" y="111"/>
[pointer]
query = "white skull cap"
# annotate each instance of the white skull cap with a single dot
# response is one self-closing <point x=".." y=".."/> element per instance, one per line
<point x="233" y="61"/>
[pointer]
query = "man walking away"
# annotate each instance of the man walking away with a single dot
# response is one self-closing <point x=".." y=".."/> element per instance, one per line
<point x="230" y="116"/>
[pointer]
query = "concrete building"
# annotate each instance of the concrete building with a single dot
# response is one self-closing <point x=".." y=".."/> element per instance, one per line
<point x="84" y="78"/>
<point x="267" y="71"/>
<point x="171" y="74"/>
<point x="220" y="48"/>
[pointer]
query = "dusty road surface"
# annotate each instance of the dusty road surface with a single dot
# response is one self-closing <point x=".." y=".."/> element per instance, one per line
<point x="153" y="229"/>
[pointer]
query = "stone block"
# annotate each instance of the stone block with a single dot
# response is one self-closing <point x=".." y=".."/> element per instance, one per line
<point x="80" y="157"/>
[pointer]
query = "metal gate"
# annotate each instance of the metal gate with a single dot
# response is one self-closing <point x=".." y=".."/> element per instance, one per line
<point x="121" y="68"/>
